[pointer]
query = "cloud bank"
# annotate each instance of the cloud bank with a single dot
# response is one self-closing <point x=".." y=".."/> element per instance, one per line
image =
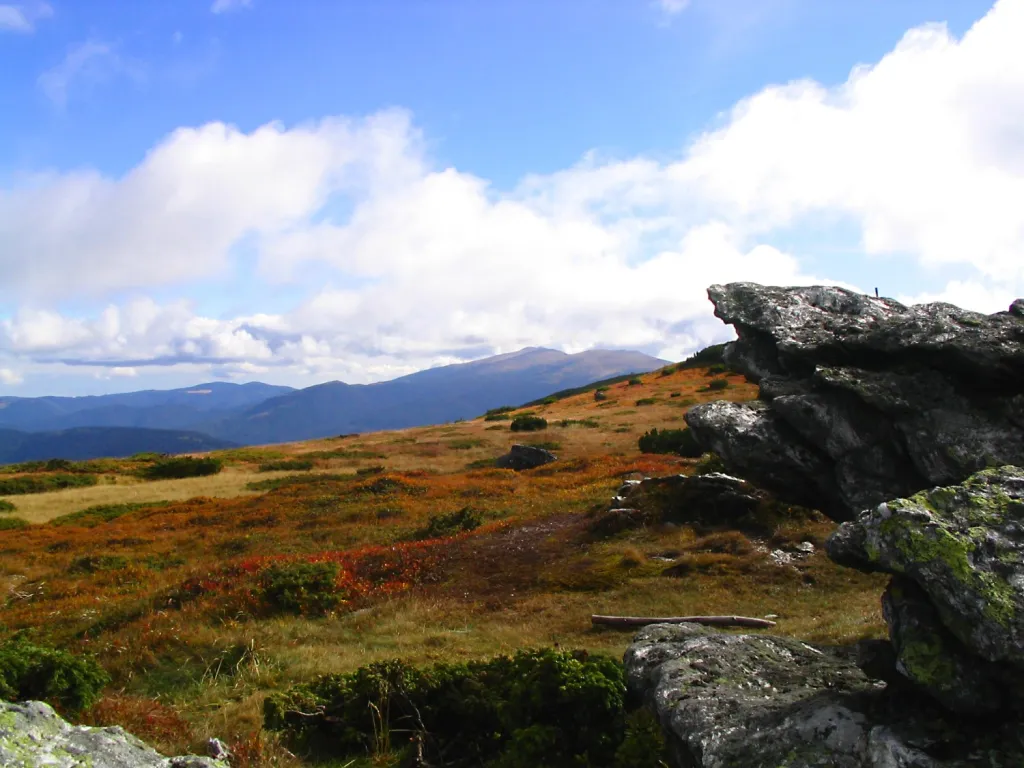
<point x="920" y="156"/>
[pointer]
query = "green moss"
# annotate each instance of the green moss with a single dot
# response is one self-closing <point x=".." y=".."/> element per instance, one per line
<point x="917" y="545"/>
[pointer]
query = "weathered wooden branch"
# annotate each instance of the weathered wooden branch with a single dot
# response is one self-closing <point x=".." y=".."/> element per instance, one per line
<point x="718" y="621"/>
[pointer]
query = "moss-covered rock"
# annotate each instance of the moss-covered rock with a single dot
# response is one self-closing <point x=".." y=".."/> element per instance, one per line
<point x="963" y="546"/>
<point x="32" y="735"/>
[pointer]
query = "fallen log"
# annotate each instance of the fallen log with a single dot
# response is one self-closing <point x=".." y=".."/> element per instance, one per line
<point x="718" y="621"/>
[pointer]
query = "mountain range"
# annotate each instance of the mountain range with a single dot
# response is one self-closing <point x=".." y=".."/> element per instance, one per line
<point x="221" y="414"/>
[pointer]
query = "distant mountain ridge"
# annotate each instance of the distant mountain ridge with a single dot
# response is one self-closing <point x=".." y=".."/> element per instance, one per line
<point x="434" y="396"/>
<point x="153" y="408"/>
<point x="249" y="414"/>
<point x="93" y="442"/>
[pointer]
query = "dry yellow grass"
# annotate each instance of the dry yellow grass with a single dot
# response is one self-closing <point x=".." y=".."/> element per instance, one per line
<point x="43" y="507"/>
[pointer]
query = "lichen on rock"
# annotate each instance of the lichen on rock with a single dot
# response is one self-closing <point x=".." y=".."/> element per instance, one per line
<point x="32" y="735"/>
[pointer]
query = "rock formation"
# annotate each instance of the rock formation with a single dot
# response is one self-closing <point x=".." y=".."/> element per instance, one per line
<point x="754" y="701"/>
<point x="955" y="607"/>
<point x="32" y="734"/>
<point x="864" y="399"/>
<point x="522" y="457"/>
<point x="953" y="670"/>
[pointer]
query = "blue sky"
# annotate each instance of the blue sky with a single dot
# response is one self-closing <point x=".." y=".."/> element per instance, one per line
<point x="300" y="191"/>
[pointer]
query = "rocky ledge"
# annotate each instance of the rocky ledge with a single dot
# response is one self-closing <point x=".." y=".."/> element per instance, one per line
<point x="33" y="735"/>
<point x="864" y="399"/>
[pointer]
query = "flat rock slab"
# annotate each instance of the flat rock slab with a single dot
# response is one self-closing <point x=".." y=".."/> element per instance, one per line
<point x="32" y="735"/>
<point x="758" y="701"/>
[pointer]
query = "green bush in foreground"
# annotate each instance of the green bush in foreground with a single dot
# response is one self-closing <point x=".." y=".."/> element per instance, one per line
<point x="12" y="523"/>
<point x="528" y="423"/>
<point x="34" y="672"/>
<point x="6" y="506"/>
<point x="679" y="441"/>
<point x="552" y="708"/>
<point x="42" y="483"/>
<point x="439" y="526"/>
<point x="180" y="467"/>
<point x="717" y="385"/>
<point x="300" y="588"/>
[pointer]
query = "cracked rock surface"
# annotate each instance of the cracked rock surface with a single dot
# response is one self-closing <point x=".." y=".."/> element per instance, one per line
<point x="864" y="399"/>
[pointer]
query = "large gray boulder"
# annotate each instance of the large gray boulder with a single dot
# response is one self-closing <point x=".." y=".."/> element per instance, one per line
<point x="751" y="701"/>
<point x="522" y="457"/>
<point x="955" y="608"/>
<point x="864" y="399"/>
<point x="32" y="735"/>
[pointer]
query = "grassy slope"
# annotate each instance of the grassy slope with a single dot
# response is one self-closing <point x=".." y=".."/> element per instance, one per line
<point x="186" y="669"/>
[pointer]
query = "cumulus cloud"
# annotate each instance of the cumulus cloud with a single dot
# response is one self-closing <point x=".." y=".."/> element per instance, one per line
<point x="225" y="6"/>
<point x="23" y="18"/>
<point x="919" y="154"/>
<point x="9" y="377"/>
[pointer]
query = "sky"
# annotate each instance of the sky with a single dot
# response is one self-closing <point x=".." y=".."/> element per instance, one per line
<point x="298" y="191"/>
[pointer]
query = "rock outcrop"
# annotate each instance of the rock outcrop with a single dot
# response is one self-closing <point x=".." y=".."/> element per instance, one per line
<point x="752" y="701"/>
<point x="955" y="607"/>
<point x="522" y="457"/>
<point x="864" y="399"/>
<point x="946" y="690"/>
<point x="32" y="735"/>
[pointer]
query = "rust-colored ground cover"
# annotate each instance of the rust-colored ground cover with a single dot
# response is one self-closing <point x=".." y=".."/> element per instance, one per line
<point x="173" y="599"/>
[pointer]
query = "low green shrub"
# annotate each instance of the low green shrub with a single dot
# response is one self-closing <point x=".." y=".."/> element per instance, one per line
<point x="12" y="523"/>
<point x="147" y="456"/>
<point x="42" y="483"/>
<point x="182" y="466"/>
<point x="681" y="441"/>
<point x="717" y="385"/>
<point x="90" y="517"/>
<point x="718" y="369"/>
<point x="552" y="708"/>
<point x="300" y="588"/>
<point x="647" y="401"/>
<point x="706" y="356"/>
<point x="636" y="380"/>
<point x="273" y="483"/>
<point x="494" y="414"/>
<point x="589" y="423"/>
<point x="528" y="423"/>
<point x="31" y="672"/>
<point x="466" y="444"/>
<point x="286" y="465"/>
<point x="6" y="506"/>
<point x="450" y="523"/>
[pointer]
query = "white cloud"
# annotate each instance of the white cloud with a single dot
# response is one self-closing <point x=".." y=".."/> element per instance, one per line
<point x="23" y="18"/>
<point x="85" y="66"/>
<point x="9" y="377"/>
<point x="921" y="154"/>
<point x="673" y="7"/>
<point x="225" y="6"/>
